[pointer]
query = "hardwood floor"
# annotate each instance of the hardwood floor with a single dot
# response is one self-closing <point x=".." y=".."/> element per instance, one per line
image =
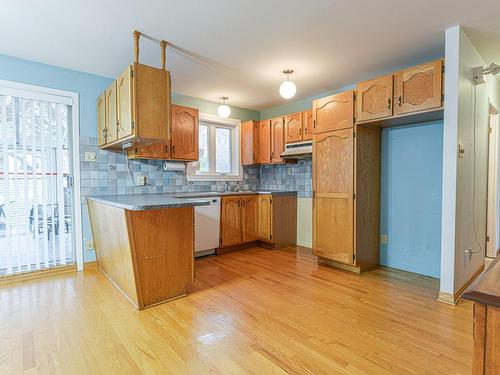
<point x="253" y="311"/>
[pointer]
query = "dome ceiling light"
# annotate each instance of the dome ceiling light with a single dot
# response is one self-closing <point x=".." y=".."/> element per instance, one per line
<point x="288" y="88"/>
<point x="224" y="111"/>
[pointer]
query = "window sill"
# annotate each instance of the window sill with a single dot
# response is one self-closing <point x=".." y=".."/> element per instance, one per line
<point x="228" y="177"/>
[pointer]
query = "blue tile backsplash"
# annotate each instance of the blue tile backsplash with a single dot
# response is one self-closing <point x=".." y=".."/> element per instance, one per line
<point x="112" y="173"/>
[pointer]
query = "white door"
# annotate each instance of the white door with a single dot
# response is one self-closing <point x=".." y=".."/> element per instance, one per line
<point x="36" y="211"/>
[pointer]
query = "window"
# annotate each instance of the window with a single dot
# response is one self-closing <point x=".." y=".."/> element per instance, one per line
<point x="218" y="150"/>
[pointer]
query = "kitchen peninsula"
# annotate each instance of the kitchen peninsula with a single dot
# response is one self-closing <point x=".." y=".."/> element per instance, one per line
<point x="144" y="244"/>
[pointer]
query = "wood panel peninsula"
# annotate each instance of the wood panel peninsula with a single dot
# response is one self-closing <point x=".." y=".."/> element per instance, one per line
<point x="144" y="244"/>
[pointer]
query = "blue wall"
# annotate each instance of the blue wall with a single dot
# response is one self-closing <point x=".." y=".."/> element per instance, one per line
<point x="411" y="197"/>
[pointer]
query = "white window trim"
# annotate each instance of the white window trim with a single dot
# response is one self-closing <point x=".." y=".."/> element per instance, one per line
<point x="235" y="124"/>
<point x="70" y="98"/>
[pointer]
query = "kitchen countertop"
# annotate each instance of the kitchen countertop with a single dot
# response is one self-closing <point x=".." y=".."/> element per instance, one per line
<point x="140" y="202"/>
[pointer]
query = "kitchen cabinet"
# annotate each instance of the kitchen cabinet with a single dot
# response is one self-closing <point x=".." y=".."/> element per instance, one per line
<point x="183" y="144"/>
<point x="111" y="113"/>
<point x="419" y="88"/>
<point x="277" y="139"/>
<point x="184" y="133"/>
<point x="293" y="127"/>
<point x="249" y="218"/>
<point x="230" y="227"/>
<point x="375" y="99"/>
<point x="264" y="136"/>
<point x="346" y="196"/>
<point x="333" y="112"/>
<point x="249" y="142"/>
<point x="308" y="125"/>
<point x="138" y="104"/>
<point x="266" y="218"/>
<point x="101" y="119"/>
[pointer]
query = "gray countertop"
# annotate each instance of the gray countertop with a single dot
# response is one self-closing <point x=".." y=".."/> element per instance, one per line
<point x="140" y="202"/>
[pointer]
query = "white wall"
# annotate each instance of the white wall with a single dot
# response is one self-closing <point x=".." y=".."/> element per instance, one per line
<point x="466" y="105"/>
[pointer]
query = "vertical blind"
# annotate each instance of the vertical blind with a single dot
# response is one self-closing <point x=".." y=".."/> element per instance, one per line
<point x="35" y="201"/>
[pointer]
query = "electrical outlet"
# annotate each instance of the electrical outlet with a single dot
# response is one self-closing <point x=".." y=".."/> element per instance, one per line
<point x="383" y="239"/>
<point x="90" y="156"/>
<point x="141" y="180"/>
<point x="89" y="245"/>
<point x="290" y="170"/>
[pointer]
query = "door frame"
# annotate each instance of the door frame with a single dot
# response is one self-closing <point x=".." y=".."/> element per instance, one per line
<point x="70" y="98"/>
<point x="492" y="219"/>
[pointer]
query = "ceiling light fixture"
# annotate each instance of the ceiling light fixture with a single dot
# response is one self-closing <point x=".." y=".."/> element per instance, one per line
<point x="288" y="88"/>
<point x="224" y="111"/>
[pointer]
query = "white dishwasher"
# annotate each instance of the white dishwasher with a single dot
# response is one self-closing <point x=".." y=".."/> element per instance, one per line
<point x="206" y="228"/>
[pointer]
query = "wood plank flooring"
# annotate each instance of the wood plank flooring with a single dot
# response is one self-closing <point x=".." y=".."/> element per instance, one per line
<point x="255" y="311"/>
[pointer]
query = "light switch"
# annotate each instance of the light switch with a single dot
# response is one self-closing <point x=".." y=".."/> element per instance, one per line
<point x="383" y="239"/>
<point x="141" y="180"/>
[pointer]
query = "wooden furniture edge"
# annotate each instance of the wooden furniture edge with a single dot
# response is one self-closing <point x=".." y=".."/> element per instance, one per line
<point x="454" y="298"/>
<point x="480" y="297"/>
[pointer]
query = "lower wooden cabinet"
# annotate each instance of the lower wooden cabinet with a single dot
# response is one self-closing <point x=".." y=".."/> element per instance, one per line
<point x="346" y="197"/>
<point x="246" y="219"/>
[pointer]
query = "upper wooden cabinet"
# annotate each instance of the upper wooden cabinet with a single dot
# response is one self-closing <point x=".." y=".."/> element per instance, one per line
<point x="277" y="139"/>
<point x="264" y="135"/>
<point x="183" y="144"/>
<point x="101" y="119"/>
<point x="184" y="133"/>
<point x="294" y="127"/>
<point x="249" y="141"/>
<point x="307" y="122"/>
<point x="333" y="112"/>
<point x="111" y="113"/>
<point x="419" y="88"/>
<point x="138" y="103"/>
<point x="375" y="99"/>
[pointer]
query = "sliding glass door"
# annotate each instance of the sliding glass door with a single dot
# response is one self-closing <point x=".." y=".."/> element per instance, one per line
<point x="36" y="213"/>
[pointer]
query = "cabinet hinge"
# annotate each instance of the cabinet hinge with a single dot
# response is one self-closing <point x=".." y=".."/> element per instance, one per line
<point x="490" y="130"/>
<point x="354" y="196"/>
<point x="442" y="68"/>
<point x="487" y="238"/>
<point x="442" y="98"/>
<point x="354" y="119"/>
<point x="132" y="125"/>
<point x="354" y="134"/>
<point x="314" y="194"/>
<point x="354" y="96"/>
<point x="271" y="200"/>
<point x="353" y="257"/>
<point x="314" y="124"/>
<point x="131" y="73"/>
<point x="271" y="237"/>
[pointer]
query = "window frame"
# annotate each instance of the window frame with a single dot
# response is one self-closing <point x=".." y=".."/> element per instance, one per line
<point x="236" y="174"/>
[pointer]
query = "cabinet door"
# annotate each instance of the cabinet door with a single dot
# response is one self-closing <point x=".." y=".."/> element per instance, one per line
<point x="333" y="112"/>
<point x="101" y="119"/>
<point x="418" y="88"/>
<point x="250" y="218"/>
<point x="230" y="224"/>
<point x="374" y="99"/>
<point x="264" y="154"/>
<point x="277" y="140"/>
<point x="157" y="151"/>
<point x="247" y="143"/>
<point x="266" y="218"/>
<point x="185" y="135"/>
<point x="307" y="120"/>
<point x="126" y="125"/>
<point x="333" y="200"/>
<point x="293" y="127"/>
<point x="111" y="114"/>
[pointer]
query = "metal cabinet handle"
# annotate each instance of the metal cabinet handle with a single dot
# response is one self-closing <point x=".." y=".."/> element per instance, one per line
<point x="173" y="149"/>
<point x="389" y="103"/>
<point x="166" y="149"/>
<point x="399" y="100"/>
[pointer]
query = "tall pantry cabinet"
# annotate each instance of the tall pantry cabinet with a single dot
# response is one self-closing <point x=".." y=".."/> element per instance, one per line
<point x="346" y="185"/>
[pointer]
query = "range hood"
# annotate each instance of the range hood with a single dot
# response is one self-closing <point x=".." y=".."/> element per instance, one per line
<point x="299" y="150"/>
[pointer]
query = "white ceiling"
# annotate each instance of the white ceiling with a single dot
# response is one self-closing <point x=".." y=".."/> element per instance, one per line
<point x="246" y="43"/>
